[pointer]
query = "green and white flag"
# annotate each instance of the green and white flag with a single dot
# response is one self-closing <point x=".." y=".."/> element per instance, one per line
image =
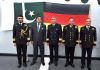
<point x="29" y="11"/>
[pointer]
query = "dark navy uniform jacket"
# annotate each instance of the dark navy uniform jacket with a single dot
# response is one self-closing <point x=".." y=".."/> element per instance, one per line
<point x="88" y="36"/>
<point x="20" y="33"/>
<point x="54" y="33"/>
<point x="70" y="35"/>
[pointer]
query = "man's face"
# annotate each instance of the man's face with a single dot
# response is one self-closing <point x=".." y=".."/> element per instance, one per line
<point x="88" y="22"/>
<point x="53" y="20"/>
<point x="20" y="19"/>
<point x="71" y="21"/>
<point x="39" y="20"/>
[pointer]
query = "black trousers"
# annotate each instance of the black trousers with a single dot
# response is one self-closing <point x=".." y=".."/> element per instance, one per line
<point x="69" y="52"/>
<point x="89" y="53"/>
<point x="21" y="50"/>
<point x="35" y="52"/>
<point x="53" y="48"/>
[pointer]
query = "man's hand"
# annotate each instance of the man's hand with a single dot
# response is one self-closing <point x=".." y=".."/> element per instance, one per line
<point x="27" y="43"/>
<point x="59" y="43"/>
<point x="15" y="44"/>
<point x="94" y="46"/>
<point x="47" y="43"/>
<point x="80" y="46"/>
<point x="32" y="42"/>
<point x="44" y="43"/>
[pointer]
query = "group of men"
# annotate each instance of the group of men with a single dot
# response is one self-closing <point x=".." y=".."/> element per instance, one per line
<point x="69" y="36"/>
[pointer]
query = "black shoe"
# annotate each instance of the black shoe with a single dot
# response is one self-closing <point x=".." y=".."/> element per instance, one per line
<point x="72" y="65"/>
<point x="82" y="66"/>
<point x="25" y="65"/>
<point x="89" y="67"/>
<point x="56" y="63"/>
<point x="19" y="66"/>
<point x="50" y="62"/>
<point x="43" y="63"/>
<point x="66" y="64"/>
<point x="32" y="63"/>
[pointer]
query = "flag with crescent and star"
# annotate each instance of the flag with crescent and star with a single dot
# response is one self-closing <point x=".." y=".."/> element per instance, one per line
<point x="29" y="11"/>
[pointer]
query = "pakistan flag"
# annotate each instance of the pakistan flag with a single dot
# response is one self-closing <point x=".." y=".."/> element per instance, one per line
<point x="29" y="11"/>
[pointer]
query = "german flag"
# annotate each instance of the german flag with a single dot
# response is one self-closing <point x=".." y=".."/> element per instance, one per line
<point x="63" y="12"/>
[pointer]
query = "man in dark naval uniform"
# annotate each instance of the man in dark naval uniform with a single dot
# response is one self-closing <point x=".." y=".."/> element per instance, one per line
<point x="21" y="39"/>
<point x="38" y="39"/>
<point x="54" y="35"/>
<point x="87" y="42"/>
<point x="70" y="38"/>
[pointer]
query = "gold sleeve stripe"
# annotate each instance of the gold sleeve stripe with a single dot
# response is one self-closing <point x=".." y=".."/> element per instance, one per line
<point x="94" y="42"/>
<point x="28" y="38"/>
<point x="47" y="39"/>
<point x="63" y="40"/>
<point x="80" y="41"/>
<point x="14" y="39"/>
<point x="60" y="39"/>
<point x="77" y="41"/>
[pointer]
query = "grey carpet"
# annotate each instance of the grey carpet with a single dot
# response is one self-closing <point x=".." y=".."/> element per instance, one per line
<point x="10" y="63"/>
<point x="95" y="65"/>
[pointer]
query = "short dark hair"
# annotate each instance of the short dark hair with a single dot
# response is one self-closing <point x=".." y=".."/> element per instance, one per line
<point x="20" y="15"/>
<point x="38" y="16"/>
